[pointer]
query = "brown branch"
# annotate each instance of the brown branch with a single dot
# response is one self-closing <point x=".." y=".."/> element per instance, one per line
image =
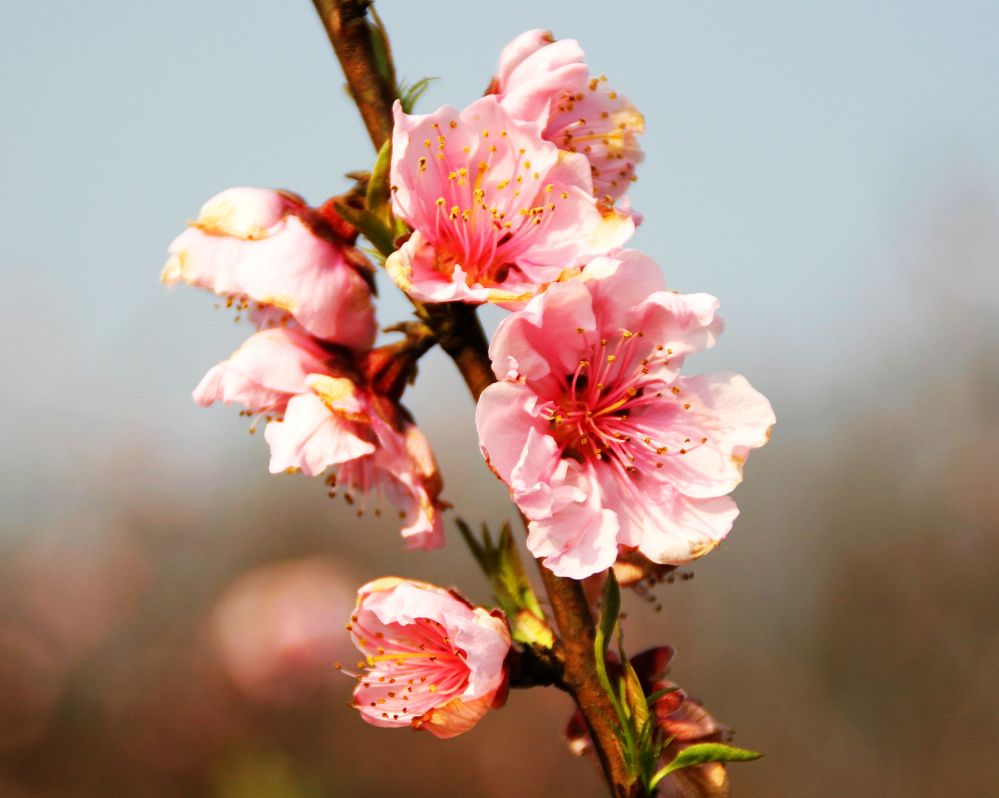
<point x="579" y="677"/>
<point x="350" y="34"/>
<point x="460" y="334"/>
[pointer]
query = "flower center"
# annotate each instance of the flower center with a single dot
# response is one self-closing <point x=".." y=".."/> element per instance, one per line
<point x="491" y="207"/>
<point x="408" y="668"/>
<point x="613" y="411"/>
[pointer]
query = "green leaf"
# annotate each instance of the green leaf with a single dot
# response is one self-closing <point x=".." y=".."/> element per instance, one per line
<point x="634" y="696"/>
<point x="610" y="610"/>
<point x="654" y="697"/>
<point x="377" y="199"/>
<point x="410" y="95"/>
<point x="477" y="549"/>
<point x="702" y="754"/>
<point x="513" y="574"/>
<point x="500" y="561"/>
<point x="372" y="228"/>
<point x="650" y="746"/>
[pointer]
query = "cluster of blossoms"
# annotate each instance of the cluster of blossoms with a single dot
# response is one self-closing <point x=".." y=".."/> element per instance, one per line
<point x="610" y="454"/>
<point x="605" y="447"/>
<point x="329" y="399"/>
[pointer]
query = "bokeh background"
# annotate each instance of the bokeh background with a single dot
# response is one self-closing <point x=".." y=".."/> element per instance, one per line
<point x="168" y="611"/>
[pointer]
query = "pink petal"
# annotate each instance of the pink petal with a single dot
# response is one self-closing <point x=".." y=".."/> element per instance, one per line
<point x="714" y="422"/>
<point x="310" y="278"/>
<point x="504" y="417"/>
<point x="678" y="529"/>
<point x="578" y="541"/>
<point x="254" y="246"/>
<point x="542" y="483"/>
<point x="456" y="717"/>
<point x="312" y="438"/>
<point x="540" y="343"/>
<point x="246" y="212"/>
<point x="269" y="368"/>
<point x="534" y="68"/>
<point x="404" y="468"/>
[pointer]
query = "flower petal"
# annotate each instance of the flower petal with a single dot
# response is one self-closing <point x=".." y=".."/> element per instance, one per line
<point x="312" y="438"/>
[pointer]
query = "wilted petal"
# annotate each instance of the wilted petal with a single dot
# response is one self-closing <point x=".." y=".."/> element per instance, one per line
<point x="278" y="259"/>
<point x="266" y="371"/>
<point x="312" y="437"/>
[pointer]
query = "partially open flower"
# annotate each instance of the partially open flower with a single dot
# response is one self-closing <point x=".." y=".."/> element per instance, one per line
<point x="279" y="260"/>
<point x="682" y="721"/>
<point x="545" y="81"/>
<point x="432" y="660"/>
<point x="605" y="447"/>
<point x="498" y="212"/>
<point x="323" y="414"/>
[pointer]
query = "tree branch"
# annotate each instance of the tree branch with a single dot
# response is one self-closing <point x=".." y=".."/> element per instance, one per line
<point x="350" y="34"/>
<point x="579" y="677"/>
<point x="460" y="334"/>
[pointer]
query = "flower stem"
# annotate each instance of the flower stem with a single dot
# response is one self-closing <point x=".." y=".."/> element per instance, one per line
<point x="457" y="329"/>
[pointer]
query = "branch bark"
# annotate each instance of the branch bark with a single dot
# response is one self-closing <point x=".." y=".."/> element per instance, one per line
<point x="576" y="638"/>
<point x="460" y="334"/>
<point x="350" y="34"/>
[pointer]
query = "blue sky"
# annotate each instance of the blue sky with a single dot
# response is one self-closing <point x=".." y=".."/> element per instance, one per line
<point x="798" y="157"/>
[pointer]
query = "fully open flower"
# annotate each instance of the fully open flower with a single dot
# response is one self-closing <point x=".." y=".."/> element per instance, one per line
<point x="497" y="211"/>
<point x="605" y="447"/>
<point x="323" y="414"/>
<point x="545" y="81"/>
<point x="432" y="660"/>
<point x="682" y="721"/>
<point x="274" y="256"/>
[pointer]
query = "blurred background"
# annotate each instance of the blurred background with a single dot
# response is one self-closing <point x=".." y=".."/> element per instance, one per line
<point x="169" y="612"/>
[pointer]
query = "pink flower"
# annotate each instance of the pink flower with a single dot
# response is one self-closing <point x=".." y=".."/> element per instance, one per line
<point x="604" y="446"/>
<point x="271" y="254"/>
<point x="545" y="81"/>
<point x="433" y="661"/>
<point x="498" y="212"/>
<point x="322" y="414"/>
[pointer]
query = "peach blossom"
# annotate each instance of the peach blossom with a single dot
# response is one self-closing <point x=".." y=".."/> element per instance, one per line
<point x="432" y="660"/>
<point x="545" y="81"/>
<point x="280" y="260"/>
<point x="604" y="446"/>
<point x="498" y="212"/>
